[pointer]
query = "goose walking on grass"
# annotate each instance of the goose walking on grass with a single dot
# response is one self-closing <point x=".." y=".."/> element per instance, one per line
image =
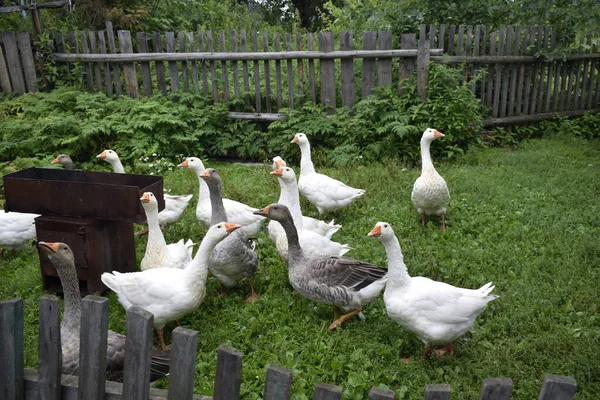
<point x="438" y="313"/>
<point x="430" y="193"/>
<point x="234" y="258"/>
<point x="169" y="293"/>
<point x="345" y="283"/>
<point x="64" y="160"/>
<point x="62" y="258"/>
<point x="326" y="193"/>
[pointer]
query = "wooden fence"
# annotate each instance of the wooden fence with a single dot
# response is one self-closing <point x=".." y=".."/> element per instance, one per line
<point x="17" y="382"/>
<point x="261" y="74"/>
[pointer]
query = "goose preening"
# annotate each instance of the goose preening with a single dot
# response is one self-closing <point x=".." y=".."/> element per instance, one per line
<point x="238" y="213"/>
<point x="345" y="283"/>
<point x="430" y="193"/>
<point x="326" y="193"/>
<point x="314" y="244"/>
<point x="234" y="258"/>
<point x="62" y="258"/>
<point x="64" y="160"/>
<point x="175" y="205"/>
<point x="16" y="229"/>
<point x="438" y="313"/>
<point x="158" y="253"/>
<point x="169" y="293"/>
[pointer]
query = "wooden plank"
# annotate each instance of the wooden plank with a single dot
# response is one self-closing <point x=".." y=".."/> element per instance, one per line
<point x="267" y="71"/>
<point x="563" y="94"/>
<point x="213" y="72"/>
<point x="13" y="62"/>
<point x="580" y="100"/>
<point x="11" y="345"/>
<point x="136" y="370"/>
<point x="49" y="348"/>
<point x="514" y="71"/>
<point x="311" y="69"/>
<point x="92" y="351"/>
<point x="506" y="73"/>
<point x="496" y="389"/>
<point x="525" y="119"/>
<point x="552" y="75"/>
<point x="451" y="33"/>
<point x="88" y="66"/>
<point x="202" y="46"/>
<point x="290" y="72"/>
<point x="537" y="92"/>
<point x="437" y="392"/>
<point x="256" y="75"/>
<point x="378" y="393"/>
<point x="245" y="68"/>
<point x="159" y="65"/>
<point x="407" y="64"/>
<point x="325" y="391"/>
<point x="278" y="80"/>
<point x="193" y="64"/>
<point x="107" y="77"/>
<point x="347" y="72"/>
<point x="432" y="33"/>
<point x="476" y="48"/>
<point x="442" y="37"/>
<point x="74" y="47"/>
<point x="4" y="78"/>
<point x="573" y="84"/>
<point x="131" y="83"/>
<point x="423" y="65"/>
<point x="183" y="364"/>
<point x="27" y="61"/>
<point x="591" y="86"/>
<point x="278" y="383"/>
<point x="235" y="66"/>
<point x="520" y="89"/>
<point x="94" y="50"/>
<point x="59" y="47"/>
<point x="468" y="69"/>
<point x="498" y="73"/>
<point x="556" y="387"/>
<point x="184" y="64"/>
<point x="529" y="40"/>
<point x="384" y="73"/>
<point x="300" y="68"/>
<point x="489" y="91"/>
<point x="113" y="50"/>
<point x="460" y="41"/>
<point x="142" y="42"/>
<point x="368" y="67"/>
<point x="327" y="71"/>
<point x="224" y="72"/>
<point x="229" y="374"/>
<point x="173" y="73"/>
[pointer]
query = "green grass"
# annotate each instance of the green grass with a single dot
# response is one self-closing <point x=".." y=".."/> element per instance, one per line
<point x="527" y="219"/>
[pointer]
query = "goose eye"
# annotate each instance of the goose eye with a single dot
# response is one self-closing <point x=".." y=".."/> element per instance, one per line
<point x="385" y="225"/>
<point x="64" y="247"/>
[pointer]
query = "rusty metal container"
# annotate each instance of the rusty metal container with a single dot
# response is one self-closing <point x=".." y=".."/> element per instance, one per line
<point x="82" y="194"/>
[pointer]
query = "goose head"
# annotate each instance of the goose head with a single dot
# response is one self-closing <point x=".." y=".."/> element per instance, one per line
<point x="109" y="156"/>
<point x="275" y="211"/>
<point x="210" y="175"/>
<point x="149" y="201"/>
<point x="300" y="139"/>
<point x="221" y="230"/>
<point x="381" y="231"/>
<point x="278" y="163"/>
<point x="60" y="254"/>
<point x="286" y="174"/>
<point x="64" y="160"/>
<point x="193" y="163"/>
<point x="431" y="134"/>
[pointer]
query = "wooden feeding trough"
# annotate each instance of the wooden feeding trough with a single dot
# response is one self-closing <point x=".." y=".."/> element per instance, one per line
<point x="93" y="212"/>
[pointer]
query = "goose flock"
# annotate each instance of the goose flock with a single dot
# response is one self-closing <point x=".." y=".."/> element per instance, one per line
<point x="172" y="281"/>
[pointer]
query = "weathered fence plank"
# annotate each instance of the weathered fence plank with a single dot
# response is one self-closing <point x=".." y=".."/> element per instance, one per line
<point x="496" y="389"/>
<point x="13" y="61"/>
<point x="378" y="393"/>
<point x="407" y="65"/>
<point x="92" y="352"/>
<point x="183" y="364"/>
<point x="11" y="349"/>
<point x="184" y="64"/>
<point x="94" y="50"/>
<point x="136" y="371"/>
<point x="256" y="75"/>
<point x="556" y="387"/>
<point x="267" y="71"/>
<point x="194" y="64"/>
<point x="4" y="78"/>
<point x="422" y="65"/>
<point x="173" y="72"/>
<point x="327" y="69"/>
<point x="202" y="47"/>
<point x="290" y="72"/>
<point x="278" y="383"/>
<point x="142" y="43"/>
<point x="49" y="348"/>
<point x="128" y="68"/>
<point x="27" y="61"/>
<point x="245" y="68"/>
<point x="368" y="67"/>
<point x="278" y="82"/>
<point x="300" y="68"/>
<point x="234" y="65"/>
<point x="229" y="374"/>
<point x="224" y="72"/>
<point x="159" y="65"/>
<point x="107" y="77"/>
<point x="437" y="392"/>
<point x="384" y="74"/>
<point x="311" y="69"/>
<point x="552" y="76"/>
<point x="113" y="50"/>
<point x="514" y="71"/>
<point x="498" y="72"/>
<point x="325" y="391"/>
<point x="347" y="72"/>
<point x="88" y="66"/>
<point x="213" y="70"/>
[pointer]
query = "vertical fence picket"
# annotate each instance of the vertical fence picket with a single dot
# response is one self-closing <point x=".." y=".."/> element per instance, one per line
<point x="521" y="93"/>
<point x="184" y="64"/>
<point x="213" y="71"/>
<point x="159" y="65"/>
<point x="327" y="68"/>
<point x="267" y="70"/>
<point x="437" y="392"/>
<point x="580" y="89"/>
<point x="235" y="66"/>
<point x="4" y="78"/>
<point x="142" y="43"/>
<point x="136" y="370"/>
<point x="92" y="349"/>
<point x="558" y="98"/>
<point x="442" y="37"/>
<point x="74" y="47"/>
<point x="128" y="67"/>
<point x="88" y="66"/>
<point x="173" y="73"/>
<point x="384" y="74"/>
<point x="290" y="72"/>
<point x="94" y="50"/>
<point x="278" y="383"/>
<point x="183" y="364"/>
<point x="476" y="46"/>
<point x="432" y="33"/>
<point x="202" y="47"/>
<point x="194" y="64"/>
<point x="368" y="67"/>
<point x="506" y="72"/>
<point x="256" y="75"/>
<point x="556" y="387"/>
<point x="498" y="72"/>
<point x="224" y="72"/>
<point x="311" y="69"/>
<point x="347" y="72"/>
<point x="325" y="391"/>
<point x="110" y="36"/>
<point x="514" y="71"/>
<point x="574" y="77"/>
<point x="538" y="74"/>
<point x="378" y="393"/>
<point x="422" y="65"/>
<point x="591" y="96"/>
<point x="407" y="64"/>
<point x="27" y="61"/>
<point x="468" y="50"/>
<point x="107" y="77"/>
<point x="278" y="83"/>
<point x="245" y="68"/>
<point x="49" y="349"/>
<point x="300" y="65"/>
<point x="496" y="389"/>
<point x="551" y="81"/>
<point x="450" y="47"/>
<point x="229" y="374"/>
<point x="12" y="385"/>
<point x="460" y="42"/>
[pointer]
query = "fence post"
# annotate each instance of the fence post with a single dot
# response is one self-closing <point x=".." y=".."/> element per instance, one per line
<point x="229" y="374"/>
<point x="496" y="389"/>
<point x="92" y="349"/>
<point x="328" y="100"/>
<point x="324" y="391"/>
<point x="423" y="64"/>
<point x="378" y="393"/>
<point x="558" y="387"/>
<point x="49" y="349"/>
<point x="136" y="369"/>
<point x="278" y="383"/>
<point x="126" y="46"/>
<point x="183" y="363"/>
<point x="437" y="392"/>
<point x="13" y="61"/>
<point x="407" y="64"/>
<point x="12" y="385"/>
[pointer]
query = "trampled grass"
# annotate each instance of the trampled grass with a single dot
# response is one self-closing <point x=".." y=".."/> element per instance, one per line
<point x="526" y="219"/>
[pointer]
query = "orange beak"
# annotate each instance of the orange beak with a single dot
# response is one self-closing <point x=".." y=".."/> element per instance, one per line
<point x="55" y="161"/>
<point x="277" y="172"/>
<point x="205" y="174"/>
<point x="184" y="164"/>
<point x="295" y="140"/>
<point x="375" y="232"/>
<point x="48" y="248"/>
<point x="263" y="211"/>
<point x="437" y="134"/>
<point x="231" y="227"/>
<point x="279" y="164"/>
<point x="102" y="155"/>
<point x="145" y="198"/>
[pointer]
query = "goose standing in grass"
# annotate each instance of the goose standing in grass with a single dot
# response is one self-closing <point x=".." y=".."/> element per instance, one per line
<point x="345" y="283"/>
<point x="158" y="253"/>
<point x="64" y="160"/>
<point x="234" y="258"/>
<point x="311" y="242"/>
<point x="438" y="313"/>
<point x="430" y="193"/>
<point x="16" y="229"/>
<point x="237" y="212"/>
<point x="169" y="293"/>
<point x="326" y="193"/>
<point x="62" y="258"/>
<point x="175" y="205"/>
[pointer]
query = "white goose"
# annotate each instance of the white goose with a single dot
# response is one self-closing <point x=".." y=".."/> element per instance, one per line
<point x="174" y="204"/>
<point x="158" y="253"/>
<point x="312" y="243"/>
<point x="16" y="229"/>
<point x="169" y="293"/>
<point x="430" y="193"/>
<point x="326" y="193"/>
<point x="436" y="312"/>
<point x="237" y="213"/>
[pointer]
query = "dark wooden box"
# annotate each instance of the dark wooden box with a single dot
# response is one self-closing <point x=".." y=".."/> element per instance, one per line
<point x="101" y="195"/>
<point x="98" y="246"/>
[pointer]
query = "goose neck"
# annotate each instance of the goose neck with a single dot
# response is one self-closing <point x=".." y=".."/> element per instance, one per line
<point x="294" y="250"/>
<point x="397" y="272"/>
<point x="203" y="192"/>
<point x="306" y="164"/>
<point x="291" y="199"/>
<point x="426" y="162"/>
<point x="118" y="167"/>
<point x="197" y="269"/>
<point x="218" y="213"/>
<point x="155" y="235"/>
<point x="70" y="285"/>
